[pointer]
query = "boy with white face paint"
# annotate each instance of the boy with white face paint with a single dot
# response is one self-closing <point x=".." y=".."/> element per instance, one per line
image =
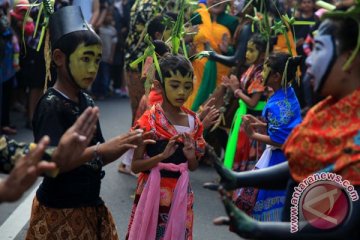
<point x="323" y="57"/>
<point x="328" y="139"/>
<point x="74" y="195"/>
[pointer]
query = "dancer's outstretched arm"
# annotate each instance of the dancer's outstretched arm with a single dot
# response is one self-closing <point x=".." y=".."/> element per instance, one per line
<point x="275" y="177"/>
<point x="247" y="227"/>
<point x="240" y="51"/>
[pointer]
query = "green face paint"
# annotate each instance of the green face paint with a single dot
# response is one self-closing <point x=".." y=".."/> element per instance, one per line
<point x="252" y="54"/>
<point x="178" y="88"/>
<point x="84" y="64"/>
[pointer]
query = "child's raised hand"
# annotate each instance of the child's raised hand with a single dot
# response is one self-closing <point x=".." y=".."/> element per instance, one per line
<point x="25" y="173"/>
<point x="247" y="126"/>
<point x="225" y="81"/>
<point x="117" y="146"/>
<point x="234" y="82"/>
<point x="206" y="108"/>
<point x="255" y="122"/>
<point x="211" y="117"/>
<point x="170" y="147"/>
<point x="251" y="118"/>
<point x="231" y="82"/>
<point x="189" y="147"/>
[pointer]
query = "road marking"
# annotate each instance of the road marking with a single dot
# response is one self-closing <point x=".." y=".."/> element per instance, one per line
<point x="17" y="220"/>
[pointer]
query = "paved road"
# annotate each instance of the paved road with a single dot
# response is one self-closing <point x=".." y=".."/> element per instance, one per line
<point x="117" y="188"/>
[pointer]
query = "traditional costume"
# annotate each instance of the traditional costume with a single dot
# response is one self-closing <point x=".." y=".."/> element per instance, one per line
<point x="241" y="152"/>
<point x="208" y="73"/>
<point x="68" y="206"/>
<point x="163" y="202"/>
<point x="328" y="138"/>
<point x="282" y="113"/>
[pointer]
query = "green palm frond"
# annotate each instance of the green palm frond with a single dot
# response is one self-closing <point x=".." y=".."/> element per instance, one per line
<point x="149" y="52"/>
<point x="325" y="5"/>
<point x="46" y="7"/>
<point x="178" y="29"/>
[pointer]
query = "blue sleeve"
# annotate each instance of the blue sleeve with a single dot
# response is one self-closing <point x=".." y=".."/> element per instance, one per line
<point x="281" y="119"/>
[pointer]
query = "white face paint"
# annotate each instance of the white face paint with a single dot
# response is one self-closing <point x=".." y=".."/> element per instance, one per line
<point x="238" y="6"/>
<point x="321" y="59"/>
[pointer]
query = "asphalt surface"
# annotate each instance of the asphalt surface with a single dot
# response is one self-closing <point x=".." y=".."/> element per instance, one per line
<point x="117" y="189"/>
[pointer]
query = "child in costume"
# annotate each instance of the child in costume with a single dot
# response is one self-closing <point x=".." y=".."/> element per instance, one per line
<point x="327" y="141"/>
<point x="72" y="199"/>
<point x="163" y="203"/>
<point x="241" y="152"/>
<point x="281" y="113"/>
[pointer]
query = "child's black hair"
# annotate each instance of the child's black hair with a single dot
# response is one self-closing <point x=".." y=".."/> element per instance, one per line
<point x="69" y="42"/>
<point x="160" y="47"/>
<point x="277" y="62"/>
<point x="260" y="42"/>
<point x="157" y="24"/>
<point x="345" y="31"/>
<point x="174" y="62"/>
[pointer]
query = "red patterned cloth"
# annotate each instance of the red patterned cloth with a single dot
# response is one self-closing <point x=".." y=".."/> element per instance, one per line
<point x="252" y="81"/>
<point x="329" y="134"/>
<point x="156" y="121"/>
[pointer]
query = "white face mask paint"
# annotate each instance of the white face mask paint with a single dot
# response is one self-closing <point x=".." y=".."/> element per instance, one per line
<point x="321" y="58"/>
<point x="238" y="6"/>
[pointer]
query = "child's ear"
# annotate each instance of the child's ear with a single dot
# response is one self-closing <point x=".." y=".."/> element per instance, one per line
<point x="59" y="57"/>
<point x="278" y="77"/>
<point x="158" y="35"/>
<point x="261" y="57"/>
<point x="157" y="84"/>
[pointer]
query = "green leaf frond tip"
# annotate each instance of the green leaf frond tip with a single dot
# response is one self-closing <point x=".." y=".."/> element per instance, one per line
<point x="325" y="5"/>
<point x="46" y="8"/>
<point x="38" y="19"/>
<point x="148" y="52"/>
<point x="26" y="18"/>
<point x="157" y="67"/>
<point x="201" y="55"/>
<point x="178" y="29"/>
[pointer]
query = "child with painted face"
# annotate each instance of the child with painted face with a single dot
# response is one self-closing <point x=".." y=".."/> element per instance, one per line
<point x="164" y="165"/>
<point x="74" y="195"/>
<point x="281" y="114"/>
<point x="241" y="153"/>
<point x="327" y="140"/>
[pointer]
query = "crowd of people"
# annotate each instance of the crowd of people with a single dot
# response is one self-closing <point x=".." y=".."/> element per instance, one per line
<point x="278" y="80"/>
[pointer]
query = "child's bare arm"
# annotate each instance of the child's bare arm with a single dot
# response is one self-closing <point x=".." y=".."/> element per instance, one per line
<point x="189" y="152"/>
<point x="250" y="101"/>
<point x="139" y="164"/>
<point x="257" y="136"/>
